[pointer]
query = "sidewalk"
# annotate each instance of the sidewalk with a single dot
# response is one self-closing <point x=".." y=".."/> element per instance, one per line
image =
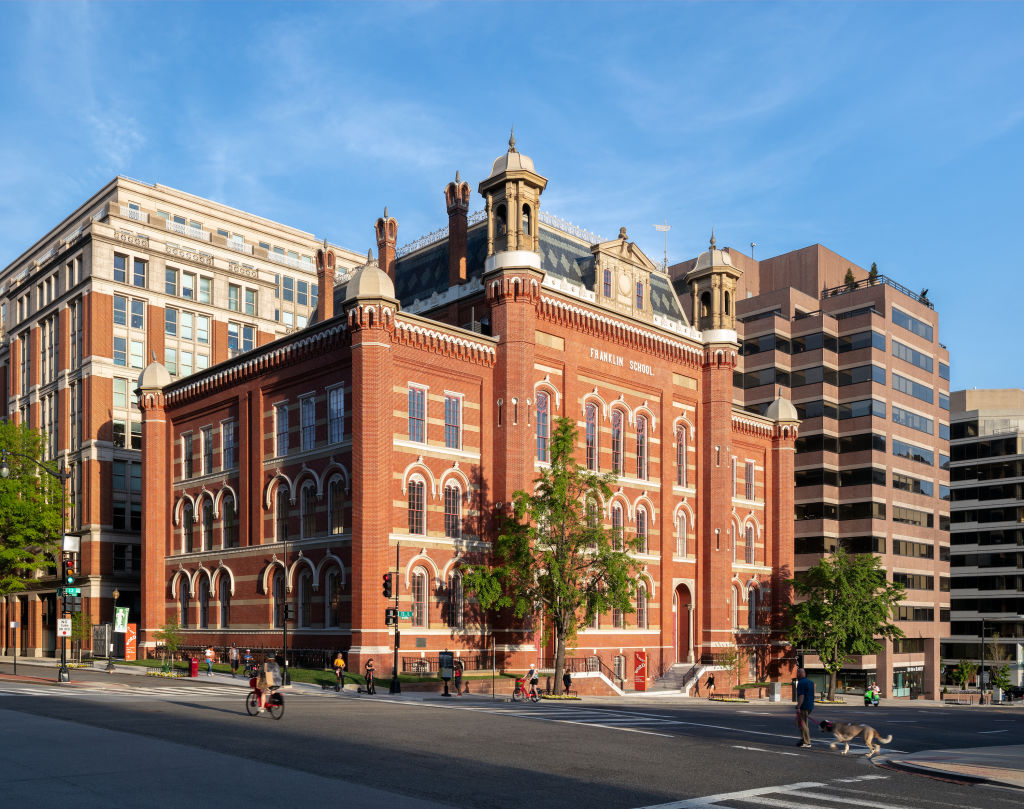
<point x="985" y="765"/>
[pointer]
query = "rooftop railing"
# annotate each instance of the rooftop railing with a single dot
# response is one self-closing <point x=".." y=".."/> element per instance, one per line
<point x="829" y="292"/>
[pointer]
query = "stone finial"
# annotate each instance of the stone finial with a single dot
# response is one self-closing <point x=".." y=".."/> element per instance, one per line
<point x="712" y="237"/>
<point x="457" y="180"/>
<point x="512" y="139"/>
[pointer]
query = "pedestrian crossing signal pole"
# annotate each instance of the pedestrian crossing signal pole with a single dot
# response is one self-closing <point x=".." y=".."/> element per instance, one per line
<point x="396" y="686"/>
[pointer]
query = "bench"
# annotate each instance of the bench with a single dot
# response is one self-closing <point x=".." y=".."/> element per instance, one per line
<point x="958" y="699"/>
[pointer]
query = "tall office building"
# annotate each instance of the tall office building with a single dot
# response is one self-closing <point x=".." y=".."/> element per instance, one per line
<point x="859" y="356"/>
<point x="987" y="564"/>
<point x="135" y="273"/>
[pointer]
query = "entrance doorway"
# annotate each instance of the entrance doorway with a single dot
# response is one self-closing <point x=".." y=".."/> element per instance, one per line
<point x="684" y="624"/>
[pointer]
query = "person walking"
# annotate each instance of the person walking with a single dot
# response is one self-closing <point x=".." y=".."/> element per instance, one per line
<point x="458" y="678"/>
<point x="804" y="706"/>
<point x="711" y="685"/>
<point x="566" y="682"/>
<point x="233" y="659"/>
<point x="370" y="668"/>
<point x="209" y="661"/>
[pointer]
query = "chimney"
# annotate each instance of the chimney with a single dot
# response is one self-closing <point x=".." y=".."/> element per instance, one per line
<point x="456" y="195"/>
<point x="387" y="235"/>
<point x="325" y="283"/>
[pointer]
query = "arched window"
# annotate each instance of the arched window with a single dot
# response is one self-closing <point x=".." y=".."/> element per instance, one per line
<point x="332" y="616"/>
<point x="641" y="528"/>
<point x="617" y="422"/>
<point x="641" y="447"/>
<point x="278" y="591"/>
<point x="592" y="462"/>
<point x="752" y="607"/>
<point x="527" y="225"/>
<point x="593" y="514"/>
<point x="308" y="507"/>
<point x="641" y="606"/>
<point x="419" y="597"/>
<point x="188" y="524"/>
<point x="543" y="427"/>
<point x="336" y="497"/>
<point x="617" y="620"/>
<point x="207" y="524"/>
<point x="283" y="513"/>
<point x="727" y="303"/>
<point x="229" y="522"/>
<point x="452" y="511"/>
<point x="681" y="544"/>
<point x="500" y="221"/>
<point x="456" y="601"/>
<point x="305" y="598"/>
<point x="204" y="603"/>
<point x="680" y="456"/>
<point x="617" y="527"/>
<point x="417" y="523"/>
<point x="183" y="603"/>
<point x="749" y="555"/>
<point x="705" y="304"/>
<point x="735" y="608"/>
<point x="224" y="596"/>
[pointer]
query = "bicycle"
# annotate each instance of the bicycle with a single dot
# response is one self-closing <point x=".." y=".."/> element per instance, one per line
<point x="275" y="701"/>
<point x="520" y="692"/>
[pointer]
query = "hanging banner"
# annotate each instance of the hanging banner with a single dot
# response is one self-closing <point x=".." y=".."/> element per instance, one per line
<point x="639" y="671"/>
<point x="129" y="642"/>
<point x="121" y="619"/>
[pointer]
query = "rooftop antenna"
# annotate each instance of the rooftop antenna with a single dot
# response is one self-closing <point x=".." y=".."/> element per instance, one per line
<point x="664" y="229"/>
<point x="752" y="246"/>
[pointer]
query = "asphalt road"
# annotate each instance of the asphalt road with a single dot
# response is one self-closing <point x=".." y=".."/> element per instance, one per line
<point x="168" y="743"/>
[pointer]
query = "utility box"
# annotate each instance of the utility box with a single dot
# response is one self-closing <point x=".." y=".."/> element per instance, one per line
<point x="193" y="667"/>
<point x="775" y="692"/>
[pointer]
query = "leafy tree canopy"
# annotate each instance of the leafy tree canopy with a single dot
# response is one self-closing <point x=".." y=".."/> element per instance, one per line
<point x="553" y="559"/>
<point x="30" y="503"/>
<point x="846" y="607"/>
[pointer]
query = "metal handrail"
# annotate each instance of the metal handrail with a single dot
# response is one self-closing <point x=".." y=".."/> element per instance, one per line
<point x="828" y="292"/>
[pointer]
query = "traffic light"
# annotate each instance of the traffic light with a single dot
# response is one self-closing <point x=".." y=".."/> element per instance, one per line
<point x="386" y="590"/>
<point x="390" y="616"/>
<point x="68" y="566"/>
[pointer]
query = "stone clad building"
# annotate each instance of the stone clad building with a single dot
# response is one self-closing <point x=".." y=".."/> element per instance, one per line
<point x="386" y="435"/>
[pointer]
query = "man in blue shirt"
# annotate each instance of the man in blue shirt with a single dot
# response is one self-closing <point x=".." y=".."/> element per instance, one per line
<point x="804" y="706"/>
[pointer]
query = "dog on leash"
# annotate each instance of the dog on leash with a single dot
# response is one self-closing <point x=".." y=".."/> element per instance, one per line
<point x="846" y="733"/>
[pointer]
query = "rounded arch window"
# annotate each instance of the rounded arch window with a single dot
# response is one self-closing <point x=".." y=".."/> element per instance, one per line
<point x="204" y="603"/>
<point x="183" y="603"/>
<point x="417" y="506"/>
<point x="527" y="221"/>
<point x="224" y="597"/>
<point x="500" y="221"/>
<point x="187" y="527"/>
<point x="705" y="304"/>
<point x="452" y="511"/>
<point x="277" y="590"/>
<point x="419" y="597"/>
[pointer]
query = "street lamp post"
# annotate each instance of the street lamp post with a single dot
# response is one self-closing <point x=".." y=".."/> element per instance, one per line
<point x="62" y="475"/>
<point x="110" y="653"/>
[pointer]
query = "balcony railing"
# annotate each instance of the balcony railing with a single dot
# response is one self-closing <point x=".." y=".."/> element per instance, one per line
<point x="829" y="292"/>
<point x="188" y="230"/>
<point x="288" y="261"/>
<point x="241" y="247"/>
<point x="136" y="215"/>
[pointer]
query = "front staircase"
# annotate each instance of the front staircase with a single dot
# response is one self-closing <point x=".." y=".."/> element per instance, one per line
<point x="679" y="677"/>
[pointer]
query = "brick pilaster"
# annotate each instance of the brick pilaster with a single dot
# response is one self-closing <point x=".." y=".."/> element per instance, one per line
<point x="157" y="486"/>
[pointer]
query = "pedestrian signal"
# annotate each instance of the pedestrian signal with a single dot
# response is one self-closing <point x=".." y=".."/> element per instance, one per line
<point x="390" y="616"/>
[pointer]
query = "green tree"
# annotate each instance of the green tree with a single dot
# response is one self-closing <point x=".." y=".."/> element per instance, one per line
<point x="964" y="673"/>
<point x="81" y="631"/>
<point x="849" y="280"/>
<point x="170" y="635"/>
<point x="553" y="560"/>
<point x="846" y="607"/>
<point x="30" y="503"/>
<point x="873" y="274"/>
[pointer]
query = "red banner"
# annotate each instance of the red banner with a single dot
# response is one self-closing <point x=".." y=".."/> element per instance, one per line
<point x="640" y="671"/>
<point x="129" y="642"/>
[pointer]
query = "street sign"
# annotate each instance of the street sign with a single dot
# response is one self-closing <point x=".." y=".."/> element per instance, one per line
<point x="405" y="613"/>
<point x="73" y="591"/>
<point x="63" y="627"/>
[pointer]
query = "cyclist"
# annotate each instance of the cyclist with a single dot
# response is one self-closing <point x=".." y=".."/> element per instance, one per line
<point x="370" y="687"/>
<point x="269" y="678"/>
<point x="339" y="671"/>
<point x="247" y="663"/>
<point x="532" y="676"/>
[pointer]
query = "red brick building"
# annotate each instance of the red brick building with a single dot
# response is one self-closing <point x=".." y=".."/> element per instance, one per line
<point x="386" y="435"/>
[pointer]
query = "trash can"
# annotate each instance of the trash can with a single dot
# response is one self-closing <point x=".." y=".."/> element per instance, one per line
<point x="193" y="667"/>
<point x="775" y="692"/>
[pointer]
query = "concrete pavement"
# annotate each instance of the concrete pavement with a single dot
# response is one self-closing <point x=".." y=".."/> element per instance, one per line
<point x="993" y="765"/>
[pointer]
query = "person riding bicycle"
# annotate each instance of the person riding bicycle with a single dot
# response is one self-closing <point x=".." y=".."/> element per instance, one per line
<point x="339" y="670"/>
<point x="533" y="677"/>
<point x="268" y="679"/>
<point x="247" y="663"/>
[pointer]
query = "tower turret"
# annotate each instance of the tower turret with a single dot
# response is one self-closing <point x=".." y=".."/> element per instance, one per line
<point x="712" y="283"/>
<point x="512" y="202"/>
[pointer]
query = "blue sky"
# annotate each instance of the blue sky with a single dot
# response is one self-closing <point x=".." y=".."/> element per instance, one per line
<point x="887" y="132"/>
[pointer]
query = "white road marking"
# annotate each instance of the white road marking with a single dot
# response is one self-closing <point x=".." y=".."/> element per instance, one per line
<point x="710" y="800"/>
<point x="1001" y="730"/>
<point x="764" y="750"/>
<point x="799" y="793"/>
